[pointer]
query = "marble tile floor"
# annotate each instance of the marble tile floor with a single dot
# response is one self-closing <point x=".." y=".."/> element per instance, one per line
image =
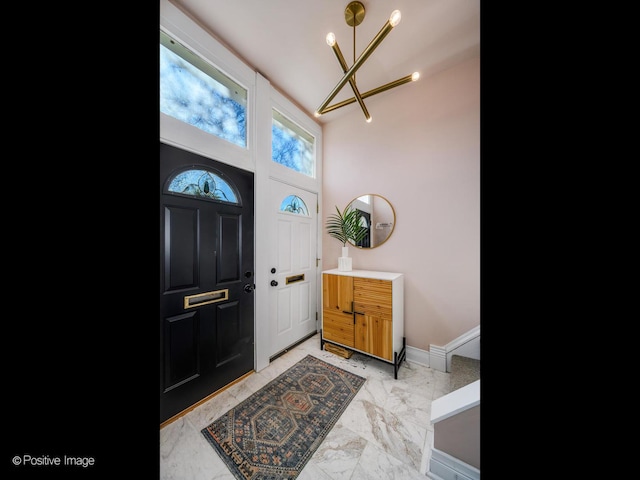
<point x="385" y="432"/>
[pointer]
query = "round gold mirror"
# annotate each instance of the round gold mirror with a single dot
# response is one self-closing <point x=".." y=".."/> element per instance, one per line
<point x="378" y="215"/>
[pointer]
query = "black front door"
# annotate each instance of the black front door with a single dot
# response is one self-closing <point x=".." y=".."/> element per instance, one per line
<point x="207" y="282"/>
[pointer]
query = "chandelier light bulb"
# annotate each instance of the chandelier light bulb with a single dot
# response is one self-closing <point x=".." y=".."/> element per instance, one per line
<point x="415" y="76"/>
<point x="331" y="39"/>
<point x="369" y="119"/>
<point x="395" y="17"/>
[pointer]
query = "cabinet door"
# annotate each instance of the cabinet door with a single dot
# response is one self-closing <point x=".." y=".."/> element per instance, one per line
<point x="338" y="327"/>
<point x="372" y="300"/>
<point x="374" y="335"/>
<point x="337" y="309"/>
<point x="337" y="293"/>
<point x="373" y="296"/>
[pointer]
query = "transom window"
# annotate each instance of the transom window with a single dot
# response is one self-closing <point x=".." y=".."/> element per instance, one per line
<point x="203" y="184"/>
<point x="291" y="145"/>
<point x="195" y="92"/>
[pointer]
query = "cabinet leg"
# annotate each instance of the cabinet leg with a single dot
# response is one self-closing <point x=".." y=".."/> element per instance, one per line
<point x="397" y="359"/>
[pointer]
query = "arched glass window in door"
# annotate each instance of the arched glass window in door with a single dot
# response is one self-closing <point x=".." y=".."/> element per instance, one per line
<point x="294" y="204"/>
<point x="204" y="184"/>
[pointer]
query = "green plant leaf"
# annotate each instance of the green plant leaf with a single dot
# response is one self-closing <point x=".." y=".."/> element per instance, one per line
<point x="345" y="226"/>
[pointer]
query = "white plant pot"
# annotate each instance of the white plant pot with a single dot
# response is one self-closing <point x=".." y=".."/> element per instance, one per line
<point x="344" y="264"/>
<point x="345" y="261"/>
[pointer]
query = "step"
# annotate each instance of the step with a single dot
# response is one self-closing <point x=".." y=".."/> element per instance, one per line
<point x="464" y="370"/>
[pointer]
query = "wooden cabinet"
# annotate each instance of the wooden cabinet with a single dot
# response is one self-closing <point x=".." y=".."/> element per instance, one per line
<point x="363" y="310"/>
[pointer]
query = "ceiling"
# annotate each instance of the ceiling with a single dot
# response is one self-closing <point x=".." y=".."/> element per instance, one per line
<point x="284" y="40"/>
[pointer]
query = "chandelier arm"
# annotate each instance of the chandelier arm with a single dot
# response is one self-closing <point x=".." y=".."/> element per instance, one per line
<point x="384" y="31"/>
<point x="383" y="88"/>
<point x="390" y="85"/>
<point x="354" y="50"/>
<point x="352" y="82"/>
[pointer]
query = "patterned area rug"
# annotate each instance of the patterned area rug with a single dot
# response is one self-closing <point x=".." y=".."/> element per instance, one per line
<point x="273" y="433"/>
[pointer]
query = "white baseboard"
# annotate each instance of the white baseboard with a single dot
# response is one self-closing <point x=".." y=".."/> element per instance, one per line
<point x="446" y="467"/>
<point x="417" y="355"/>
<point x="467" y="345"/>
<point x="439" y="358"/>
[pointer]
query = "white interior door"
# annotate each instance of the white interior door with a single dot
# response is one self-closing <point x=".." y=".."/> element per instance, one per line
<point x="293" y="278"/>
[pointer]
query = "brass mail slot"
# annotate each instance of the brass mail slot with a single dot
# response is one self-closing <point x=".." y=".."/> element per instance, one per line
<point x="206" y="298"/>
<point x="295" y="278"/>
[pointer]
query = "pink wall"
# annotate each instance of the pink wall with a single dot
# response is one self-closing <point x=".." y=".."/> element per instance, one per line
<point x="421" y="152"/>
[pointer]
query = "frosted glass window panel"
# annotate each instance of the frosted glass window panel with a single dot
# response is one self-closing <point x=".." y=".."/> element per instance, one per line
<point x="203" y="183"/>
<point x="195" y="92"/>
<point x="292" y="146"/>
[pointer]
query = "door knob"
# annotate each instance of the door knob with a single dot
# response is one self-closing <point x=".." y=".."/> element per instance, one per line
<point x="274" y="283"/>
<point x="248" y="288"/>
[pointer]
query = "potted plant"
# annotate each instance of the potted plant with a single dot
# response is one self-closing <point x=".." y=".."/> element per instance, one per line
<point x="346" y="227"/>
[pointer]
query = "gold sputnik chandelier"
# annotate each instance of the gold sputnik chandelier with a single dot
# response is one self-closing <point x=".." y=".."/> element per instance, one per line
<point x="354" y="14"/>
